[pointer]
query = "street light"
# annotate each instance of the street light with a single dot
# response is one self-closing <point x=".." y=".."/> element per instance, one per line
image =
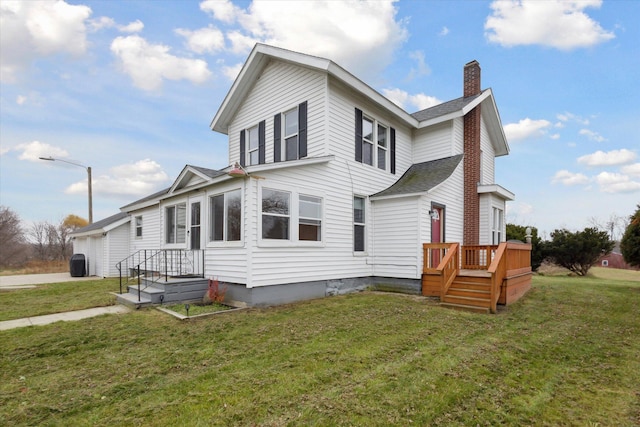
<point x="88" y="169"/>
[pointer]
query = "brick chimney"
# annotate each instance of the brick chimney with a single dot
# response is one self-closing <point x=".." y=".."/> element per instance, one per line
<point x="471" y="123"/>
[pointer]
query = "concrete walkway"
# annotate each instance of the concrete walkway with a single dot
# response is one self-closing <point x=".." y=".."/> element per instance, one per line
<point x="65" y="317"/>
<point x="24" y="281"/>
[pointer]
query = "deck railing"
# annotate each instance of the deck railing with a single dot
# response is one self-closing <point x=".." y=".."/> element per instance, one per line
<point x="511" y="260"/>
<point x="503" y="261"/>
<point x="478" y="257"/>
<point x="157" y="264"/>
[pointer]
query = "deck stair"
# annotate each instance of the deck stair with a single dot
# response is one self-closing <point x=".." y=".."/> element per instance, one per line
<point x="470" y="291"/>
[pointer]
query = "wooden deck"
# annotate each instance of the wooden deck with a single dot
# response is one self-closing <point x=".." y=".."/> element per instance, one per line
<point x="490" y="275"/>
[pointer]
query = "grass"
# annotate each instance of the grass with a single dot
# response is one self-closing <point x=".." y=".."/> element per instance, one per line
<point x="566" y="354"/>
<point x="196" y="309"/>
<point x="56" y="298"/>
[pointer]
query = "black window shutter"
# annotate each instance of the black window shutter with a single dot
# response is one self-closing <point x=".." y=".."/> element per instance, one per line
<point x="261" y="158"/>
<point x="302" y="130"/>
<point x="392" y="162"/>
<point x="277" y="139"/>
<point x="243" y="153"/>
<point x="358" y="135"/>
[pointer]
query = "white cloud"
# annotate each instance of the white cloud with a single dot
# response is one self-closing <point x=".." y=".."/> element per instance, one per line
<point x="132" y="27"/>
<point x="132" y="179"/>
<point x="593" y="136"/>
<point x="209" y="40"/>
<point x="444" y="31"/>
<point x="561" y="24"/>
<point x="31" y="30"/>
<point x="32" y="151"/>
<point x="525" y="128"/>
<point x="555" y="136"/>
<point x="569" y="178"/>
<point x="222" y="10"/>
<point x="421" y="69"/>
<point x="232" y="72"/>
<point x="570" y="117"/>
<point x="633" y="169"/>
<point x="359" y="35"/>
<point x="616" y="183"/>
<point x="148" y="64"/>
<point x="403" y="99"/>
<point x="611" y="158"/>
<point x="21" y="100"/>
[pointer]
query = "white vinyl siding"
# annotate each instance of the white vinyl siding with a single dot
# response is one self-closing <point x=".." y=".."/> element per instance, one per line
<point x="433" y="143"/>
<point x="396" y="244"/>
<point x="268" y="98"/>
<point x="488" y="156"/>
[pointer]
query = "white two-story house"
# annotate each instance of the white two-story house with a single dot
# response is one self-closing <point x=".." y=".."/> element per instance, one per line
<point x="330" y="186"/>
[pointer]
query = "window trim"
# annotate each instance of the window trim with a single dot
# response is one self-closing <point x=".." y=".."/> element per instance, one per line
<point x="280" y="135"/>
<point x="294" y="217"/>
<point x="176" y="226"/>
<point x="138" y="234"/>
<point x="225" y="223"/>
<point x="361" y="142"/>
<point x="362" y="224"/>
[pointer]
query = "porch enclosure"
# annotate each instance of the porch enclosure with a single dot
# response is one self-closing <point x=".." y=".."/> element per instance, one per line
<point x="476" y="277"/>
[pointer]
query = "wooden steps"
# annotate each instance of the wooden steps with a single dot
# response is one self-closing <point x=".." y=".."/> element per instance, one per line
<point x="470" y="291"/>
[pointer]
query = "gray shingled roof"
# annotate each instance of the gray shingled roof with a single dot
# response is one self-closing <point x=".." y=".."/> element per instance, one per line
<point x="102" y="223"/>
<point x="149" y="197"/>
<point x="422" y="177"/>
<point x="211" y="173"/>
<point x="444" y="108"/>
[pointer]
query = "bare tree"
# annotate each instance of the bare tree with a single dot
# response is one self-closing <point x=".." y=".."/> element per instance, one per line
<point x="13" y="249"/>
<point x="615" y="225"/>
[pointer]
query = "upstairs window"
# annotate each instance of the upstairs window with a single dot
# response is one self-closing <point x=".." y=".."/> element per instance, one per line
<point x="382" y="147"/>
<point x="375" y="143"/>
<point x="290" y="134"/>
<point x="252" y="149"/>
<point x="252" y="145"/>
<point x="176" y="223"/>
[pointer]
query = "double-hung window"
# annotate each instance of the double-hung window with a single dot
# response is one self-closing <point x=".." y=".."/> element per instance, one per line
<point x="252" y="146"/>
<point x="358" y="224"/>
<point x="290" y="216"/>
<point x="290" y="134"/>
<point x="382" y="138"/>
<point x="276" y="214"/>
<point x="225" y="215"/>
<point x="496" y="226"/>
<point x="138" y="220"/>
<point x="176" y="223"/>
<point x="375" y="143"/>
<point x="309" y="218"/>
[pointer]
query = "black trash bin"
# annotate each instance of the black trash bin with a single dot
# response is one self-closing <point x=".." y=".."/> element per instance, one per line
<point x="77" y="265"/>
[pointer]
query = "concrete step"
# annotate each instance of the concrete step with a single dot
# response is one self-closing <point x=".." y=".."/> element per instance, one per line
<point x="131" y="300"/>
<point x="462" y="307"/>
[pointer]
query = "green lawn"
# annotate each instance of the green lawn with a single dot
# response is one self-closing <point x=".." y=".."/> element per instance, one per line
<point x="57" y="297"/>
<point x="566" y="354"/>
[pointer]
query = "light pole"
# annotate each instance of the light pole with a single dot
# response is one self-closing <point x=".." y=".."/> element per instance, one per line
<point x="88" y="169"/>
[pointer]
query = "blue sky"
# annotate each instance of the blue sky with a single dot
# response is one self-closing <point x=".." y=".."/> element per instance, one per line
<point x="129" y="88"/>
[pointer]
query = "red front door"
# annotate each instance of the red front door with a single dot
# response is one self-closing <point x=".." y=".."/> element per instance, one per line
<point x="437" y="235"/>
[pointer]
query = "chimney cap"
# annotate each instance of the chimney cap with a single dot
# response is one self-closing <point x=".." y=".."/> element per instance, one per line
<point x="470" y="63"/>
